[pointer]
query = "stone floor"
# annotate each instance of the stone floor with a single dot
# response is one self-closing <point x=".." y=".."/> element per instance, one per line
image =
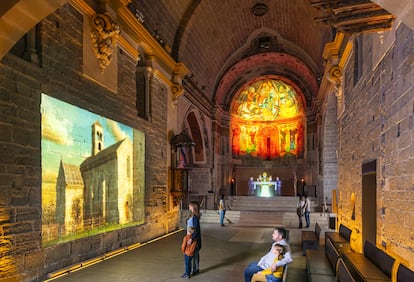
<point x="226" y="251"/>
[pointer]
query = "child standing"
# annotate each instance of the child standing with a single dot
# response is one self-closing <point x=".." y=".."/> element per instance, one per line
<point x="266" y="275"/>
<point x="188" y="250"/>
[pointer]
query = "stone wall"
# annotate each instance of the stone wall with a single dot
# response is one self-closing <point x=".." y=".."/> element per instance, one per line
<point x="378" y="125"/>
<point x="59" y="74"/>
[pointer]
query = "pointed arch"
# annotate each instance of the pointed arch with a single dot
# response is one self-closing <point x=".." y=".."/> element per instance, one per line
<point x="197" y="137"/>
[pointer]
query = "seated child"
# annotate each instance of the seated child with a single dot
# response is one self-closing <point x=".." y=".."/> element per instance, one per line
<point x="188" y="251"/>
<point x="266" y="275"/>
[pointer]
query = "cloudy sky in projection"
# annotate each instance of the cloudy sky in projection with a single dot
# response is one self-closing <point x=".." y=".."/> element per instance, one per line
<point x="66" y="134"/>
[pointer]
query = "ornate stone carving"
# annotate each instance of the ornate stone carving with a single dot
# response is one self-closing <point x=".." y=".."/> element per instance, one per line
<point x="177" y="90"/>
<point x="335" y="77"/>
<point x="104" y="38"/>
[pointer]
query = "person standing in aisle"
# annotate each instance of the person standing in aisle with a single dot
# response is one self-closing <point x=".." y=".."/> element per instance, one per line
<point x="222" y="210"/>
<point x="300" y="210"/>
<point x="307" y="211"/>
<point x="188" y="251"/>
<point x="194" y="221"/>
<point x="278" y="186"/>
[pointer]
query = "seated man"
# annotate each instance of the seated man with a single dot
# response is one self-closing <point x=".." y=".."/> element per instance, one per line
<point x="278" y="237"/>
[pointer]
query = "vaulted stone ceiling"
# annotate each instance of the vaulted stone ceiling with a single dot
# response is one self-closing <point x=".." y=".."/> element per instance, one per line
<point x="227" y="43"/>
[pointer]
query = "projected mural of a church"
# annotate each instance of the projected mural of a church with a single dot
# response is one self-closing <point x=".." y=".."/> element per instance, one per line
<point x="267" y="121"/>
<point x="88" y="187"/>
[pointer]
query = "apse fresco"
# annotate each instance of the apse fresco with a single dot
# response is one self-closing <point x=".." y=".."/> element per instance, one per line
<point x="267" y="121"/>
<point x="92" y="173"/>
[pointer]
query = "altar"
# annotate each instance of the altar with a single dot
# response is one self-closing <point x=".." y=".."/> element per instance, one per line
<point x="264" y="188"/>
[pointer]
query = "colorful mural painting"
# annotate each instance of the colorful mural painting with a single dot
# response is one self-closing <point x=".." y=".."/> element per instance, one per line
<point x="92" y="173"/>
<point x="267" y="121"/>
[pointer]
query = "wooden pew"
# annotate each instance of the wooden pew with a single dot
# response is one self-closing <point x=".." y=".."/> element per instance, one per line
<point x="342" y="236"/>
<point x="285" y="270"/>
<point x="332" y="254"/>
<point x="343" y="274"/>
<point x="372" y="265"/>
<point x="404" y="274"/>
<point x="318" y="267"/>
<point x="310" y="239"/>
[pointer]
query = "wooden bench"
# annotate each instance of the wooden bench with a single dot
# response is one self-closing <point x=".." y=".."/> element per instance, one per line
<point x="285" y="270"/>
<point x="342" y="236"/>
<point x="318" y="266"/>
<point x="343" y="274"/>
<point x="332" y="254"/>
<point x="373" y="265"/>
<point x="404" y="274"/>
<point x="310" y="239"/>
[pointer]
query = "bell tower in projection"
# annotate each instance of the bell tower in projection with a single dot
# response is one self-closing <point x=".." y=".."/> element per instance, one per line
<point x="97" y="138"/>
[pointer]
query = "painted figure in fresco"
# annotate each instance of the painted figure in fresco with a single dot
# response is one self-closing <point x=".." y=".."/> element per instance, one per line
<point x="252" y="141"/>
<point x="268" y="102"/>
<point x="283" y="142"/>
<point x="288" y="106"/>
<point x="243" y="139"/>
<point x="292" y="140"/>
<point x="236" y="142"/>
<point x="300" y="140"/>
<point x="249" y="108"/>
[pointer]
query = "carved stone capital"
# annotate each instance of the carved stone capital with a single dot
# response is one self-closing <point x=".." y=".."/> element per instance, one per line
<point x="335" y="76"/>
<point x="104" y="34"/>
<point x="177" y="90"/>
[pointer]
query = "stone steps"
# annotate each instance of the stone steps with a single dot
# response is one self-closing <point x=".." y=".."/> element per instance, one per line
<point x="277" y="204"/>
<point x="212" y="216"/>
<point x="263" y="218"/>
<point x="261" y="212"/>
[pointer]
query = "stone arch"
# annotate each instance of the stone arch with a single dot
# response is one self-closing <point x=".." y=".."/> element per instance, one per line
<point x="19" y="16"/>
<point x="283" y="66"/>
<point x="193" y="125"/>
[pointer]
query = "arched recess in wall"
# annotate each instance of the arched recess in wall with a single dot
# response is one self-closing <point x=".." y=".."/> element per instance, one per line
<point x="267" y="120"/>
<point x="196" y="136"/>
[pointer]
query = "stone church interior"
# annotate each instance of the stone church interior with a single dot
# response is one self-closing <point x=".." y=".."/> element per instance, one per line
<point x="115" y="114"/>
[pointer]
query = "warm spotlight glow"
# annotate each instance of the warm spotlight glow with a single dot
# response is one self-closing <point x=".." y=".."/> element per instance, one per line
<point x="7" y="262"/>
